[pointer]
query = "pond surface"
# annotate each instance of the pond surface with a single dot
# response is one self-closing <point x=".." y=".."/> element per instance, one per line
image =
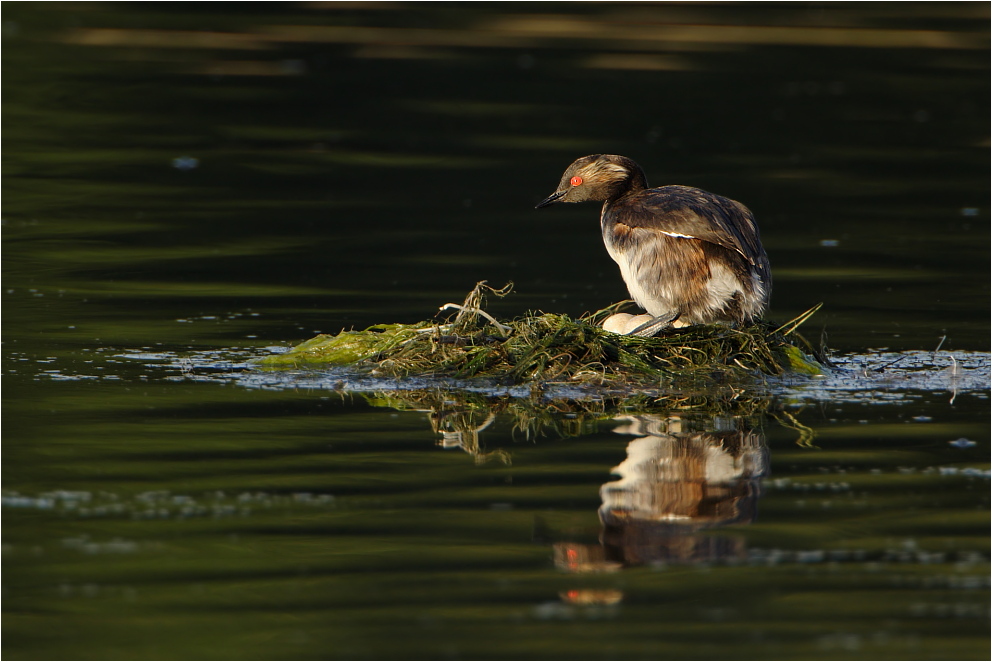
<point x="188" y="188"/>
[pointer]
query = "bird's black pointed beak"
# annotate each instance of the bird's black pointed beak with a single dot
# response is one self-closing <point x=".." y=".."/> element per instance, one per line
<point x="551" y="199"/>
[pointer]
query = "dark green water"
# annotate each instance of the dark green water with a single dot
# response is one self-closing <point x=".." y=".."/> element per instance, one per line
<point x="186" y="187"/>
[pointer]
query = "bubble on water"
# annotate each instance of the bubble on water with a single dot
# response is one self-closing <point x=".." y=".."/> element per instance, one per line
<point x="185" y="163"/>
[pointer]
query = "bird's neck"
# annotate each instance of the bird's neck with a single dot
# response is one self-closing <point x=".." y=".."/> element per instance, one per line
<point x="630" y="186"/>
<point x="638" y="181"/>
<point x="634" y="182"/>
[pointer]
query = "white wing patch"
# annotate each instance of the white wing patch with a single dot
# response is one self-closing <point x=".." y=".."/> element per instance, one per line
<point x="676" y="234"/>
<point x="679" y="235"/>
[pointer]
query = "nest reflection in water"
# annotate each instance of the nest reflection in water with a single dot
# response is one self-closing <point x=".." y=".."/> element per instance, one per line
<point x="694" y="464"/>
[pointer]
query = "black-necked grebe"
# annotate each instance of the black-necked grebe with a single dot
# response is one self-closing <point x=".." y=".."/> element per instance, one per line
<point x="687" y="256"/>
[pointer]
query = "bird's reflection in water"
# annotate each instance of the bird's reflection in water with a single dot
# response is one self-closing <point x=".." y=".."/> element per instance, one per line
<point x="682" y="477"/>
<point x="685" y="474"/>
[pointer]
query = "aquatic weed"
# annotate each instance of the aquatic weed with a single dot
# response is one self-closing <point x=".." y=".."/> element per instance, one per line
<point x="550" y="347"/>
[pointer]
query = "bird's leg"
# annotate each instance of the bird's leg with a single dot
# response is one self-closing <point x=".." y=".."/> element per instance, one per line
<point x="655" y="325"/>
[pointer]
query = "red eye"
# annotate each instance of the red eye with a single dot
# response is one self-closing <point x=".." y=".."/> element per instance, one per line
<point x="576" y="180"/>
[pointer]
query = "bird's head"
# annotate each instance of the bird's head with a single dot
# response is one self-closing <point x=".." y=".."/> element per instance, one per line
<point x="597" y="177"/>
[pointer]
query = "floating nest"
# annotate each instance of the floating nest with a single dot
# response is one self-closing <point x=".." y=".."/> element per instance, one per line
<point x="547" y="347"/>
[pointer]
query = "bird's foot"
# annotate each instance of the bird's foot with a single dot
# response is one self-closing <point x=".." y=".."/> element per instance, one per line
<point x="654" y="325"/>
<point x="640" y="325"/>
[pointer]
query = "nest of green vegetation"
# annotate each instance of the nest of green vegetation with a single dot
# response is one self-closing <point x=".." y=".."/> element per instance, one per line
<point x="548" y="347"/>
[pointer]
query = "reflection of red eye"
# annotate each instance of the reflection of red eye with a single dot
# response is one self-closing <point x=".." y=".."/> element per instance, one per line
<point x="576" y="180"/>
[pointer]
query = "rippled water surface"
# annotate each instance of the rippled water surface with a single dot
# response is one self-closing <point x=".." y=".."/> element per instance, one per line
<point x="188" y="188"/>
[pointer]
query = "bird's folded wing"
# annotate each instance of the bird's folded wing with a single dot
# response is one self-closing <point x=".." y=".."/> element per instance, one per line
<point x="691" y="213"/>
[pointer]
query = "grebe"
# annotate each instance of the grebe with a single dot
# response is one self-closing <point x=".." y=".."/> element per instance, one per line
<point x="686" y="255"/>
